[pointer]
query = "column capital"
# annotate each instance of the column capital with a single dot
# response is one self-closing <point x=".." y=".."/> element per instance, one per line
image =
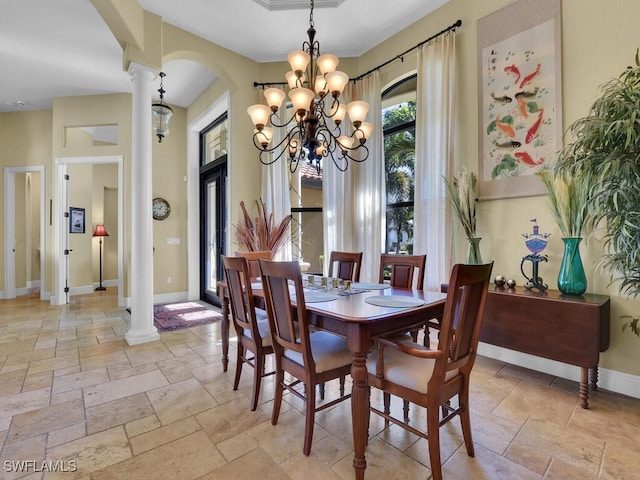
<point x="140" y="70"/>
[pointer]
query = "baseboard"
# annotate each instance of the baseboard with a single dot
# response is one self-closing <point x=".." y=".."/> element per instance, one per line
<point x="611" y="380"/>
<point x="33" y="284"/>
<point x="172" y="297"/>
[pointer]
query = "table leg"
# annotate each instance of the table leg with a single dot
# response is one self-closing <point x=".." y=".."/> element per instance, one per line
<point x="584" y="388"/>
<point x="224" y="327"/>
<point x="594" y="378"/>
<point x="358" y="343"/>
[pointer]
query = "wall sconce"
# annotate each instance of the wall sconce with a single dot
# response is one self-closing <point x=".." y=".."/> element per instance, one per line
<point x="161" y="113"/>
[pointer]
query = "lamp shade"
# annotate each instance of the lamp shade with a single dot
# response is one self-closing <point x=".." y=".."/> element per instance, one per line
<point x="100" y="231"/>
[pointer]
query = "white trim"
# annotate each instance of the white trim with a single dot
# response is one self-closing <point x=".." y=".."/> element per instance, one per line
<point x="222" y="105"/>
<point x="60" y="166"/>
<point x="172" y="297"/>
<point x="611" y="380"/>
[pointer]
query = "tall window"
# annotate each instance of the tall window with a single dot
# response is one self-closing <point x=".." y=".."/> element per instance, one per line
<point x="399" y="128"/>
<point x="306" y="210"/>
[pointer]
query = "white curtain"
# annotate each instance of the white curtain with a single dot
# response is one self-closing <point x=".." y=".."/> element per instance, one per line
<point x="275" y="185"/>
<point x="337" y="196"/>
<point x="434" y="156"/>
<point x="369" y="184"/>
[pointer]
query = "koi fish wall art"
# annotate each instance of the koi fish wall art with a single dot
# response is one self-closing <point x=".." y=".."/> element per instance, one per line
<point x="519" y="93"/>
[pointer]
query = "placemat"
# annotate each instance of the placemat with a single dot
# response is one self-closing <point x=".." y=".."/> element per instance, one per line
<point x="314" y="297"/>
<point x="370" y="286"/>
<point x="399" y="301"/>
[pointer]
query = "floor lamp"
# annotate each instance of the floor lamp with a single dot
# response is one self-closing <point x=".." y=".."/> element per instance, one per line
<point x="100" y="232"/>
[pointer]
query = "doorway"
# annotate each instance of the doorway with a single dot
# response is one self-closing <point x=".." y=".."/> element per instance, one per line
<point x="65" y="241"/>
<point x="24" y="235"/>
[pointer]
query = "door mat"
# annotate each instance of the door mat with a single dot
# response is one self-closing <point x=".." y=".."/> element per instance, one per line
<point x="172" y="316"/>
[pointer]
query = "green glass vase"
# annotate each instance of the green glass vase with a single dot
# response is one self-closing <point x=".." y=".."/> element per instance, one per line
<point x="473" y="254"/>
<point x="571" y="278"/>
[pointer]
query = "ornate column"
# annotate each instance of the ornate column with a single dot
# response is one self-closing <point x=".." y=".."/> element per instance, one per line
<point x="141" y="286"/>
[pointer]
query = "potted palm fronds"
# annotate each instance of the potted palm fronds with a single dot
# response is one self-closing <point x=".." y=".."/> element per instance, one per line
<point x="568" y="197"/>
<point x="262" y="233"/>
<point x="462" y="192"/>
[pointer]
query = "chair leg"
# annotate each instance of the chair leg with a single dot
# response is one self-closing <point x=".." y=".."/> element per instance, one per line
<point x="433" y="434"/>
<point x="321" y="388"/>
<point x="405" y="409"/>
<point x="239" y="362"/>
<point x="465" y="420"/>
<point x="309" y="419"/>
<point x="277" y="398"/>
<point x="387" y="406"/>
<point x="257" y="380"/>
<point x="342" y="382"/>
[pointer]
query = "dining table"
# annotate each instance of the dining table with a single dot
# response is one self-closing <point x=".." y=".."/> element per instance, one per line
<point x="367" y="311"/>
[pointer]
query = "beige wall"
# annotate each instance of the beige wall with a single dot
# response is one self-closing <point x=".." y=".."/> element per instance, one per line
<point x="599" y="39"/>
<point x="25" y="140"/>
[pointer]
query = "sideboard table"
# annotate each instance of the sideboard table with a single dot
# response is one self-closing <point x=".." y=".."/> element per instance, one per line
<point x="566" y="328"/>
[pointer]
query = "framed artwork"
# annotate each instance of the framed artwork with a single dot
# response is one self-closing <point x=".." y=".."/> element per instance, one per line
<point x="76" y="220"/>
<point x="519" y="96"/>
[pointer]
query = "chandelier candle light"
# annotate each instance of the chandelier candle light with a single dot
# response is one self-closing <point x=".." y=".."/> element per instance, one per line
<point x="313" y="130"/>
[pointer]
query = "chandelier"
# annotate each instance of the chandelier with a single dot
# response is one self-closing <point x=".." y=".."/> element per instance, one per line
<point x="161" y="113"/>
<point x="314" y="130"/>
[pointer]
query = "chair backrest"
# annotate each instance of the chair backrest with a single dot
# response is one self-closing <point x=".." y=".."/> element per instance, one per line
<point x="252" y="261"/>
<point x="282" y="284"/>
<point x="348" y="265"/>
<point x="403" y="269"/>
<point x="241" y="301"/>
<point x="462" y="317"/>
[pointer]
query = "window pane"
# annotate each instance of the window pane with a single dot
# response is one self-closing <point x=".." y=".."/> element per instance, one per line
<point x="215" y="141"/>
<point x="399" y="230"/>
<point x="399" y="151"/>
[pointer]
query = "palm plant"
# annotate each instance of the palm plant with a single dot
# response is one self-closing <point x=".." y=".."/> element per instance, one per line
<point x="263" y="233"/>
<point x="607" y="146"/>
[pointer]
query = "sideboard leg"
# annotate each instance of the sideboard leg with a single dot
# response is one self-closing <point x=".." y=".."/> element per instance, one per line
<point x="584" y="388"/>
<point x="594" y="378"/>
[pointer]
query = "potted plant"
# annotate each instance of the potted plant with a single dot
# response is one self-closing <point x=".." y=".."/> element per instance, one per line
<point x="462" y="192"/>
<point x="262" y="233"/>
<point x="607" y="146"/>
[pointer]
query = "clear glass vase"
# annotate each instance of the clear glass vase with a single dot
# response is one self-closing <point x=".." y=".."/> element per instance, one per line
<point x="473" y="255"/>
<point x="571" y="278"/>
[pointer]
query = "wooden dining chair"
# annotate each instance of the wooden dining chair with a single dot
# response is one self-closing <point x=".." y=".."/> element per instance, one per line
<point x="403" y="268"/>
<point x="252" y="260"/>
<point x="431" y="378"/>
<point x="310" y="357"/>
<point x="253" y="331"/>
<point x="347" y="265"/>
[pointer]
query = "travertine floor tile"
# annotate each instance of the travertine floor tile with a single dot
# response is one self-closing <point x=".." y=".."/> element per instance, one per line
<point x="167" y="410"/>
<point x="187" y="458"/>
<point x="43" y="420"/>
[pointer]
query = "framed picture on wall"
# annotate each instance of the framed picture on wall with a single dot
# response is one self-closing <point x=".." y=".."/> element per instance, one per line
<point x="76" y="220"/>
<point x="519" y="93"/>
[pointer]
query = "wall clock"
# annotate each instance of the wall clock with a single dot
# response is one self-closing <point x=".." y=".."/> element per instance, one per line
<point x="161" y="208"/>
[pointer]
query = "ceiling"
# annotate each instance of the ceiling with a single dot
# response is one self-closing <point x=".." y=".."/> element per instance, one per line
<point x="63" y="48"/>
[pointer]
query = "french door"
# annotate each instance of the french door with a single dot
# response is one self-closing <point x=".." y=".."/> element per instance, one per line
<point x="212" y="228"/>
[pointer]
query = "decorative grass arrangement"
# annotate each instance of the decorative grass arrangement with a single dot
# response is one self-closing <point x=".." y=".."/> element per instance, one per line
<point x="263" y="232"/>
<point x="462" y="192"/>
<point x="568" y="197"/>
